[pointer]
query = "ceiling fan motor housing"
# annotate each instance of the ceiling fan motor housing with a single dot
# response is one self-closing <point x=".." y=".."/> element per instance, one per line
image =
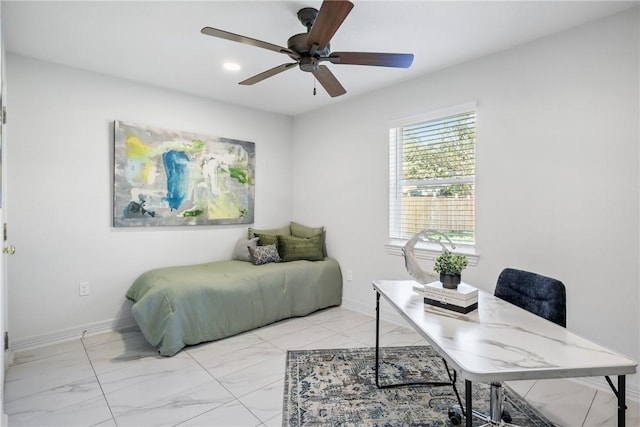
<point x="298" y="44"/>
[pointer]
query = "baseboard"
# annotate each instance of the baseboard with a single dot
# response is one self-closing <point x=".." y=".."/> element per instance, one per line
<point x="20" y="344"/>
<point x="390" y="315"/>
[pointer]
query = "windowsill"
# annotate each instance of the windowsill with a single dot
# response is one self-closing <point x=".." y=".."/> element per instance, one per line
<point x="430" y="251"/>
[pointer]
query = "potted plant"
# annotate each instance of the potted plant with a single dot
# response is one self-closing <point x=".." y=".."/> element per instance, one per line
<point x="450" y="266"/>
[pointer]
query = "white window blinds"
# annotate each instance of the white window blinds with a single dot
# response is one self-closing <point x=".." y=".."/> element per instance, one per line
<point x="432" y="177"/>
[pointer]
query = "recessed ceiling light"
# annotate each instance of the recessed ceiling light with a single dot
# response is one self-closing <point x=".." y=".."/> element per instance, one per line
<point x="231" y="66"/>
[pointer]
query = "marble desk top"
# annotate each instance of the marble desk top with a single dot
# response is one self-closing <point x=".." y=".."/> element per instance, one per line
<point x="500" y="341"/>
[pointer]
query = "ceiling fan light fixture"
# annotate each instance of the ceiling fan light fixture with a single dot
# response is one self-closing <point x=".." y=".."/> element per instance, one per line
<point x="231" y="66"/>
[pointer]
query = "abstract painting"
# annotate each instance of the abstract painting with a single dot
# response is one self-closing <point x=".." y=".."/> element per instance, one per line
<point x="166" y="177"/>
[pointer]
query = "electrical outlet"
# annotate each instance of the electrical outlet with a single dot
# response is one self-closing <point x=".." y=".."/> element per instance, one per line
<point x="349" y="275"/>
<point x="83" y="289"/>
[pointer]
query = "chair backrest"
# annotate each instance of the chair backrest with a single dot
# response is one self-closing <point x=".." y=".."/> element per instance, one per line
<point x="538" y="294"/>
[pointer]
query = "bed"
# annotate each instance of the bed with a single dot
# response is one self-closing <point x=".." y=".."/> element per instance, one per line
<point x="190" y="304"/>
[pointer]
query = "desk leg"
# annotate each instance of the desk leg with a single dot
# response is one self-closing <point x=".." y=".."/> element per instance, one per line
<point x="621" y="400"/>
<point x="377" y="367"/>
<point x="377" y="336"/>
<point x="468" y="403"/>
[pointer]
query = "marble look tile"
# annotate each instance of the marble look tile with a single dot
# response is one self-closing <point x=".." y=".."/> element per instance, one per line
<point x="300" y="338"/>
<point x="366" y="333"/>
<point x="75" y="360"/>
<point x="214" y="349"/>
<point x="107" y="423"/>
<point x="113" y="336"/>
<point x="333" y="341"/>
<point x="143" y="370"/>
<point x="339" y="319"/>
<point x="44" y="374"/>
<point x="604" y="411"/>
<point x="255" y="377"/>
<point x="234" y="381"/>
<point x="521" y="387"/>
<point x="282" y="328"/>
<point x="274" y="422"/>
<point x="35" y="354"/>
<point x="47" y="402"/>
<point x="128" y="345"/>
<point x="563" y="402"/>
<point x="231" y="414"/>
<point x="633" y="412"/>
<point x="117" y="352"/>
<point x="266" y="403"/>
<point x="179" y="407"/>
<point x="240" y="359"/>
<point x="401" y="336"/>
<point x="155" y="388"/>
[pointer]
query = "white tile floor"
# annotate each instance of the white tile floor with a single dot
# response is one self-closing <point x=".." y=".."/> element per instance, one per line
<point x="117" y="379"/>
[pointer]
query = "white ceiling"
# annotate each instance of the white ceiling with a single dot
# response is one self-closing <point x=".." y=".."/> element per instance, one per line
<point x="160" y="43"/>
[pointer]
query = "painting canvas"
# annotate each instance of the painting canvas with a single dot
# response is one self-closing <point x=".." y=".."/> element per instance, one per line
<point x="166" y="177"/>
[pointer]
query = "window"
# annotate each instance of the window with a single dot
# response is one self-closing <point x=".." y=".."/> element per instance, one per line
<point x="432" y="175"/>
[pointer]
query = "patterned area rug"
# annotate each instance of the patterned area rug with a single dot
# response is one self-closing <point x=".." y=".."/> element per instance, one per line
<point x="337" y="388"/>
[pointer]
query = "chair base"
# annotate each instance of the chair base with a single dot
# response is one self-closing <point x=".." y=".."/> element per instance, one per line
<point x="497" y="416"/>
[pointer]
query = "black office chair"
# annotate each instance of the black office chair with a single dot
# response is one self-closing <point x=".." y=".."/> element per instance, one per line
<point x="538" y="294"/>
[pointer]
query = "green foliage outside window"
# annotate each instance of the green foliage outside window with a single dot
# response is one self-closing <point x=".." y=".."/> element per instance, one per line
<point x="448" y="152"/>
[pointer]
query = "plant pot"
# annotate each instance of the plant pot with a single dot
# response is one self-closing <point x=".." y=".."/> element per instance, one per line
<point x="450" y="281"/>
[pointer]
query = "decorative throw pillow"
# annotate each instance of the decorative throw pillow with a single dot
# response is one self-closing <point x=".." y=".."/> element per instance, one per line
<point x="264" y="254"/>
<point x="300" y="230"/>
<point x="241" y="251"/>
<point x="296" y="248"/>
<point x="252" y="232"/>
<point x="266" y="239"/>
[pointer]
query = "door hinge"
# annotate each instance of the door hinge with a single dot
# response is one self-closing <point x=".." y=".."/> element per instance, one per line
<point x="6" y="340"/>
<point x="4" y="231"/>
<point x="4" y="115"/>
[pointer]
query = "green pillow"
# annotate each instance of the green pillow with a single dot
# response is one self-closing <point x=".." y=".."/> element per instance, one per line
<point x="299" y="230"/>
<point x="293" y="248"/>
<point x="266" y="239"/>
<point x="272" y="232"/>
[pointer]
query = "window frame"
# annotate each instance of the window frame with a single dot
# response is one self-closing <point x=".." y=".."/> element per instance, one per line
<point x="423" y="250"/>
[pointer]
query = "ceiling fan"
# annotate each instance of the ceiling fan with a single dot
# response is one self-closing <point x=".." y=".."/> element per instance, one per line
<point x="309" y="49"/>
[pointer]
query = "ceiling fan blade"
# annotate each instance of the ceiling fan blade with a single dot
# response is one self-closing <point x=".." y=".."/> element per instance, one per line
<point x="329" y="81"/>
<point x="247" y="40"/>
<point x="331" y="15"/>
<point x="266" y="74"/>
<point x="398" y="60"/>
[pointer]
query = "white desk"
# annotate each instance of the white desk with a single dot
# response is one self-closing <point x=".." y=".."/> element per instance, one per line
<point x="501" y="342"/>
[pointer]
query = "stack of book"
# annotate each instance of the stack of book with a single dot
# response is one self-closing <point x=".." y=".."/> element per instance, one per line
<point x="464" y="299"/>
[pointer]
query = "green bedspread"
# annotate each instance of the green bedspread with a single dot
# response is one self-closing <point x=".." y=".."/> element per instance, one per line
<point x="185" y="305"/>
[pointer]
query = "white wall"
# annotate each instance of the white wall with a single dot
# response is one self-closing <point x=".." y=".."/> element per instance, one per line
<point x="59" y="181"/>
<point x="557" y="172"/>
